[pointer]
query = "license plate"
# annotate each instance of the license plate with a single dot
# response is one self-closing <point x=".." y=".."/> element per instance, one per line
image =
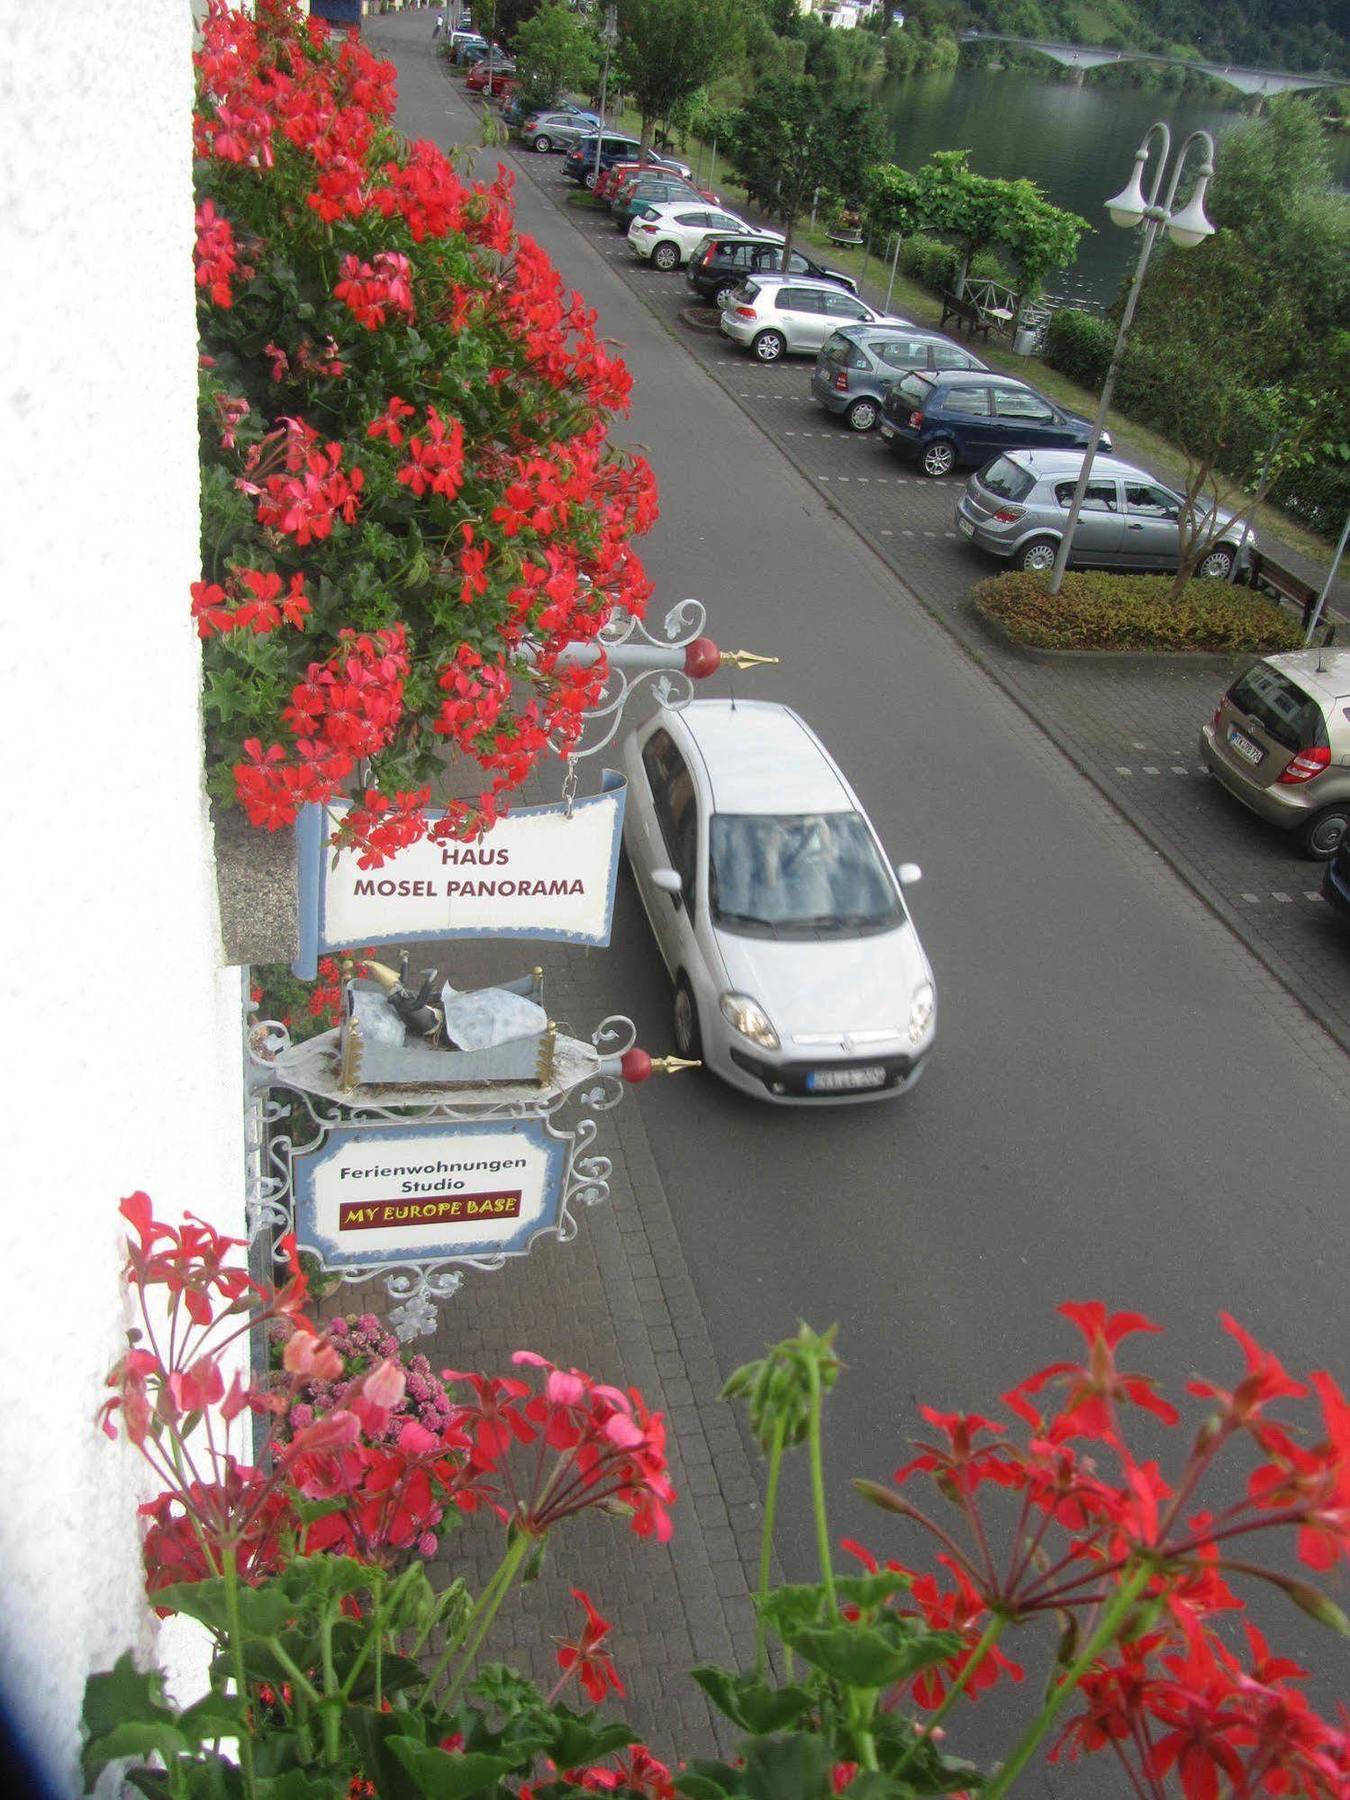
<point x="966" y="526"/>
<point x="835" y="1081"/>
<point x="887" y="431"/>
<point x="1246" y="749"/>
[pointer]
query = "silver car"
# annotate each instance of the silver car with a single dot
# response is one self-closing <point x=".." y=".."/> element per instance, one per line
<point x="799" y="977"/>
<point x="774" y="314"/>
<point x="1016" y="506"/>
<point x="861" y="364"/>
<point x="547" y="131"/>
<point x="1280" y="741"/>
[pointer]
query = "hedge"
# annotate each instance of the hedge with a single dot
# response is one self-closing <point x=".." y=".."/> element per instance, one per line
<point x="1098" y="611"/>
<point x="934" y="265"/>
<point x="1079" y="345"/>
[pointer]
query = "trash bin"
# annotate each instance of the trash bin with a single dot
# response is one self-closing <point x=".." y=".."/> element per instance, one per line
<point x="1025" y="340"/>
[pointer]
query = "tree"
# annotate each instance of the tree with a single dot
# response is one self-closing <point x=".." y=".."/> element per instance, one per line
<point x="978" y="212"/>
<point x="791" y="137"/>
<point x="669" y="48"/>
<point x="1241" y="347"/>
<point x="556" y="50"/>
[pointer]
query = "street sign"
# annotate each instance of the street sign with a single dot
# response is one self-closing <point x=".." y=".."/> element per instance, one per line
<point x="545" y="872"/>
<point x="371" y="1196"/>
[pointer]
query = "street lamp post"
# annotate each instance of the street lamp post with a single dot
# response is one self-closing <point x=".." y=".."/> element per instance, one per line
<point x="1187" y="226"/>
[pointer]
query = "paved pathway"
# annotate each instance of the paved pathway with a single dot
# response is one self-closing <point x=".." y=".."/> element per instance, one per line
<point x="1131" y="729"/>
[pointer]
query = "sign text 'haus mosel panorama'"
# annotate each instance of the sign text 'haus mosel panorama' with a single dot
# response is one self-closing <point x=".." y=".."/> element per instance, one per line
<point x="542" y="872"/>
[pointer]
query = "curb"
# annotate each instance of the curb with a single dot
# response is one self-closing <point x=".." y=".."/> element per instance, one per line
<point x="1151" y="662"/>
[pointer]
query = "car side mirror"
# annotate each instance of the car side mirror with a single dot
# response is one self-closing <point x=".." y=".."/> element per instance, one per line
<point x="908" y="873"/>
<point x="669" y="881"/>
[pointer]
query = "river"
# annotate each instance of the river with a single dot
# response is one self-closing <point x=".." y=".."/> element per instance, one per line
<point x="1076" y="143"/>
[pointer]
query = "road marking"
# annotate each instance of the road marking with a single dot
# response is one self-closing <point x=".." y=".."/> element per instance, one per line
<point x="1180" y="769"/>
<point x="1319" y="896"/>
<point x="1122" y="771"/>
<point x="1252" y="899"/>
<point x="1284" y="899"/>
<point x="1150" y="770"/>
<point x="888" y="534"/>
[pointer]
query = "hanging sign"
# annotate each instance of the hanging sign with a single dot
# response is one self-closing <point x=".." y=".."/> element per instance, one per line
<point x="542" y="872"/>
<point x="369" y="1196"/>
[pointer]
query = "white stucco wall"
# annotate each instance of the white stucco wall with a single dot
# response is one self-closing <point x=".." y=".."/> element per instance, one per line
<point x="121" y="1027"/>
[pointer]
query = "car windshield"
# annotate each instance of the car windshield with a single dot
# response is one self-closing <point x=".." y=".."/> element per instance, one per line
<point x="817" y="874"/>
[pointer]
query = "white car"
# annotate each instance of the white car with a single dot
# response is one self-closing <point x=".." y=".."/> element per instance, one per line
<point x="798" y="974"/>
<point x="772" y="314"/>
<point x="668" y="233"/>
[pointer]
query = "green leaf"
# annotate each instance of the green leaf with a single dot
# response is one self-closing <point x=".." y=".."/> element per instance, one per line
<point x="201" y="1600"/>
<point x="788" y="1609"/>
<point x="213" y="1716"/>
<point x="750" y="1703"/>
<point x="577" y="1743"/>
<point x="213" y="1778"/>
<point x="704" y="1780"/>
<point x="788" y="1768"/>
<point x="871" y="1591"/>
<point x="443" y="1775"/>
<point x="135" y="1737"/>
<point x="295" y="1784"/>
<point x="123" y="1692"/>
<point x="863" y="1656"/>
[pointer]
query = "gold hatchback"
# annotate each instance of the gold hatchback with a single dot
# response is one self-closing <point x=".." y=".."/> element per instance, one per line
<point x="1280" y="741"/>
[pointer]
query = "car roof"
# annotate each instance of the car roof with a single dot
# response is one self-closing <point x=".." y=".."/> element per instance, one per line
<point x="761" y="757"/>
<point x="880" y="330"/>
<point x="1325" y="673"/>
<point x="678" y="205"/>
<point x="1069" y="462"/>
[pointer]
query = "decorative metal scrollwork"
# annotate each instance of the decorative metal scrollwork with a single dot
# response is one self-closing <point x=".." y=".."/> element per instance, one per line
<point x="670" y="686"/>
<point x="283" y="1122"/>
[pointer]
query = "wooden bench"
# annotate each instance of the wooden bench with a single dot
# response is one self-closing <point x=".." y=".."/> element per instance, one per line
<point x="846" y="240"/>
<point x="966" y="313"/>
<point x="1272" y="578"/>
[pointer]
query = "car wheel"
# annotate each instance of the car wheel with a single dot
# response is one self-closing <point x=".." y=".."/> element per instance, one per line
<point x="589" y="178"/>
<point x="1037" y="557"/>
<point x="684" y="1021"/>
<point x="863" y="415"/>
<point x="769" y="346"/>
<point x="1218" y="564"/>
<point x="723" y="294"/>
<point x="666" y="257"/>
<point x="1321" y="837"/>
<point x="543" y="143"/>
<point x="939" y="457"/>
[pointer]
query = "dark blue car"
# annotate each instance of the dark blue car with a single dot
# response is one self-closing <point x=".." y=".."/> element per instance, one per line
<point x="579" y="163"/>
<point x="946" y="417"/>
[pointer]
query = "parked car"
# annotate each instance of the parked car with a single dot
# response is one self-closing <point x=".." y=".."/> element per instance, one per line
<point x="1280" y="741"/>
<point x="558" y="128"/>
<point x="1016" y="508"/>
<point x="1336" y="879"/>
<point x="465" y="41"/>
<point x="489" y="74"/>
<point x="579" y="163"/>
<point x="774" y="314"/>
<point x="723" y="263"/>
<point x="860" y="364"/>
<point x="615" y="173"/>
<point x="653" y="190"/>
<point x="798" y="974"/>
<point x="946" y="417"/>
<point x="666" y="233"/>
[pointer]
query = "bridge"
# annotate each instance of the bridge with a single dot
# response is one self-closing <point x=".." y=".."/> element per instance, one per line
<point x="1090" y="56"/>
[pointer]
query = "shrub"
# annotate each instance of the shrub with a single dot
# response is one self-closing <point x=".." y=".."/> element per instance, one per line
<point x="1079" y="345"/>
<point x="1096" y="611"/>
<point x="934" y="265"/>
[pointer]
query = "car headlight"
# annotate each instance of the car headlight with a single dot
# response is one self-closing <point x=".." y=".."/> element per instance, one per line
<point x="750" y="1019"/>
<point x="921" y="1011"/>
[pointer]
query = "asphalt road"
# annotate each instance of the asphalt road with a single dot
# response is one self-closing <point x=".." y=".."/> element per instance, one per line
<point x="1122" y="1103"/>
